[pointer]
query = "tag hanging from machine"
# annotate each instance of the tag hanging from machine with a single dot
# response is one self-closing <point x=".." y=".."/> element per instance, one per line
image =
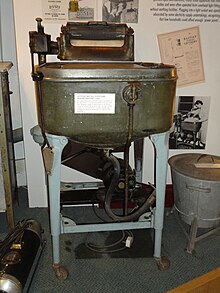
<point x="48" y="157"/>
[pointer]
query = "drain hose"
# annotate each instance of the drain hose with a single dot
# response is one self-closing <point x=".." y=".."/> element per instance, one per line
<point x="108" y="197"/>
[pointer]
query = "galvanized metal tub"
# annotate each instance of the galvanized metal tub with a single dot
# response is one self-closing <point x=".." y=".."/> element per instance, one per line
<point x="88" y="102"/>
<point x="196" y="186"/>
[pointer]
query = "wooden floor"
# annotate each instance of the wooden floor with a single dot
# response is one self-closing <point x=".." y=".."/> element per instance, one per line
<point x="208" y="283"/>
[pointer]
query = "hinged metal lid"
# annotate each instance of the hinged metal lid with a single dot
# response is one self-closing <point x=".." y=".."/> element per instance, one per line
<point x="199" y="166"/>
<point x="108" y="71"/>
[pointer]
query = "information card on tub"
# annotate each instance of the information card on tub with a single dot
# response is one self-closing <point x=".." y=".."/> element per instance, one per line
<point x="94" y="103"/>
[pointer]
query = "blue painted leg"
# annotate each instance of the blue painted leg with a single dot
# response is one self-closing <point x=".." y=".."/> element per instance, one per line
<point x="160" y="142"/>
<point x="52" y="161"/>
<point x="57" y="143"/>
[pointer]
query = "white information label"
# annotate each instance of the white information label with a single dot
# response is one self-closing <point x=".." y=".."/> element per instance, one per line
<point x="94" y="103"/>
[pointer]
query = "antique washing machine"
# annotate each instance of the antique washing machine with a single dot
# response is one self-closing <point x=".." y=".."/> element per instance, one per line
<point x="92" y="104"/>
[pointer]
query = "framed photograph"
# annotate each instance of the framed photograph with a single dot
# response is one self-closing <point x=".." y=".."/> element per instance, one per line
<point x="190" y="123"/>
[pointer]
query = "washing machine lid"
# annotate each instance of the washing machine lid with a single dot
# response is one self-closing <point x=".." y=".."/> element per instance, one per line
<point x="110" y="71"/>
<point x="199" y="166"/>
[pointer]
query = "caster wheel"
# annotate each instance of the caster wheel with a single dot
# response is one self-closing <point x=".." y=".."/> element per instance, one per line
<point x="60" y="272"/>
<point x="163" y="263"/>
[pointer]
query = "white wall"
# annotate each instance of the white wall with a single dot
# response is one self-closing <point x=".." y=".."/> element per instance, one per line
<point x="8" y="53"/>
<point x="146" y="50"/>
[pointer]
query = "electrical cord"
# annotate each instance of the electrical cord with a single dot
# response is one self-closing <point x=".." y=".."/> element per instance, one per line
<point x="110" y="248"/>
<point x="99" y="217"/>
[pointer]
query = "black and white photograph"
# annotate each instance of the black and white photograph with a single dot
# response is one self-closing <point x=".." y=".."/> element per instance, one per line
<point x="120" y="11"/>
<point x="190" y="123"/>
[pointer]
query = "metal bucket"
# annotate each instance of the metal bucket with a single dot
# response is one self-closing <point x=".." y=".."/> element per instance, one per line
<point x="196" y="186"/>
<point x="89" y="102"/>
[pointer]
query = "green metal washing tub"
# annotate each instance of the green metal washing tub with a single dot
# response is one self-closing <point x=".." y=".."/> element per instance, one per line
<point x="100" y="104"/>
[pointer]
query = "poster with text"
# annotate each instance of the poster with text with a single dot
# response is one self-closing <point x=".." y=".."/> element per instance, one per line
<point x="183" y="49"/>
<point x="61" y="11"/>
<point x="54" y="11"/>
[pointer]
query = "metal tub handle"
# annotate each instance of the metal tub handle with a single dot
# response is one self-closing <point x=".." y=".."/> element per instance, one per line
<point x="199" y="189"/>
<point x="212" y="164"/>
